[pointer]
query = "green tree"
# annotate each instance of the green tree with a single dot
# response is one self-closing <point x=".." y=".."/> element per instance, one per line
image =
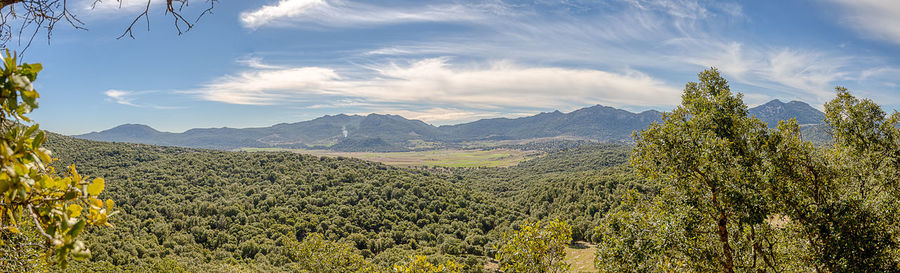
<point x="840" y="201"/>
<point x="735" y="196"/>
<point x="316" y="254"/>
<point x="535" y="248"/>
<point x="645" y="234"/>
<point x="34" y="196"/>
<point x="707" y="155"/>
<point x="420" y="264"/>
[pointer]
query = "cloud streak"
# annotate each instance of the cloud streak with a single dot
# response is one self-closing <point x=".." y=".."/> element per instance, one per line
<point x="332" y="13"/>
<point x="120" y="97"/>
<point x="128" y="98"/>
<point x="436" y="82"/>
<point x="675" y="36"/>
<point x="876" y="19"/>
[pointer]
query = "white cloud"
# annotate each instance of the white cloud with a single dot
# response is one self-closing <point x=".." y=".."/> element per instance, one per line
<point x="257" y="63"/>
<point x="877" y="19"/>
<point x="334" y="13"/>
<point x="115" y="6"/>
<point x="663" y="35"/>
<point x="120" y="97"/>
<point x="262" y="87"/>
<point x="808" y="74"/>
<point x="634" y="35"/>
<point x="812" y="72"/>
<point x="128" y="98"/>
<point x="436" y="82"/>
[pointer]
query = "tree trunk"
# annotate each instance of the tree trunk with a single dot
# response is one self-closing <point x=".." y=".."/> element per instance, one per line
<point x="726" y="247"/>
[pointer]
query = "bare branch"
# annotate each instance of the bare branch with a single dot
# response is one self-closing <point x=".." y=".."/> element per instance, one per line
<point x="18" y="17"/>
<point x="37" y="223"/>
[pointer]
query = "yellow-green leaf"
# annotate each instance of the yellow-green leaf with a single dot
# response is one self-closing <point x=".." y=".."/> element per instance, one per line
<point x="95" y="202"/>
<point x="96" y="187"/>
<point x="74" y="210"/>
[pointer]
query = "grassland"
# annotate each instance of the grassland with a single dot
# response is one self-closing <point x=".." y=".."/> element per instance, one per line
<point x="581" y="256"/>
<point x="431" y="158"/>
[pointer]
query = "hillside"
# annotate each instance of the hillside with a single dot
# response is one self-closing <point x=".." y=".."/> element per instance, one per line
<point x="379" y="133"/>
<point x="215" y="207"/>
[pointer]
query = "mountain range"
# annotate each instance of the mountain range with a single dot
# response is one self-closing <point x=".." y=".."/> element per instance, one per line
<point x="376" y="132"/>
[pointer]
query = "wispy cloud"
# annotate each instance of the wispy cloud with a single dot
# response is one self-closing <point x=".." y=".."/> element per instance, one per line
<point x="436" y="82"/>
<point x="107" y="7"/>
<point x="257" y="63"/>
<point x="877" y="19"/>
<point x="807" y="73"/>
<point x="129" y="97"/>
<point x="120" y="97"/>
<point x="667" y="35"/>
<point x="335" y="13"/>
<point x="634" y="33"/>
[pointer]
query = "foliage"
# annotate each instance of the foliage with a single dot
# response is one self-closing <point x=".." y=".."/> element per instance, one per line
<point x="735" y="196"/>
<point x="578" y="185"/>
<point x="315" y="254"/>
<point x="420" y="264"/>
<point x="636" y="236"/>
<point x="535" y="247"/>
<point x="706" y="154"/>
<point x="214" y="207"/>
<point x="33" y="195"/>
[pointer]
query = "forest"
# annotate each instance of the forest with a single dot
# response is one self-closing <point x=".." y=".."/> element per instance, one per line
<point x="181" y="205"/>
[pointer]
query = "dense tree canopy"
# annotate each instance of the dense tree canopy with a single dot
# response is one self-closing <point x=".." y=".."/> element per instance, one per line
<point x="735" y="196"/>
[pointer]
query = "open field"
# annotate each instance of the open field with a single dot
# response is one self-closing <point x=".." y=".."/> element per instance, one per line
<point x="495" y="143"/>
<point x="581" y="256"/>
<point x="432" y="158"/>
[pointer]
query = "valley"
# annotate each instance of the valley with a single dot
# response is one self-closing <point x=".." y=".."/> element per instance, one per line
<point x="428" y="158"/>
<point x="184" y="205"/>
<point x="452" y="199"/>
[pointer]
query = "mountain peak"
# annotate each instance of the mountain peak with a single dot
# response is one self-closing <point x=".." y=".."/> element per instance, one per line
<point x="125" y="132"/>
<point x="133" y="127"/>
<point x="776" y="110"/>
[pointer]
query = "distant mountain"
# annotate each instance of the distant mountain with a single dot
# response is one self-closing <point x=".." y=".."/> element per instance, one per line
<point x="376" y="132"/>
<point x="137" y="133"/>
<point x="775" y="110"/>
<point x="595" y="122"/>
<point x="324" y="132"/>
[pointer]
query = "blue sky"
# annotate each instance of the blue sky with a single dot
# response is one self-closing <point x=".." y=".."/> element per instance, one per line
<point x="258" y="63"/>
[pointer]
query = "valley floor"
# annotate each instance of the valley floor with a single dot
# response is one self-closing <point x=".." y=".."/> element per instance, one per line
<point x="430" y="158"/>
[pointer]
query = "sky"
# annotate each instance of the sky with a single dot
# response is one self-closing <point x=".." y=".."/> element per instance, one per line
<point x="259" y="63"/>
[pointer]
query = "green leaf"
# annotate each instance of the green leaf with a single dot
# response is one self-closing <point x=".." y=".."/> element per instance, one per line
<point x="77" y="228"/>
<point x="38" y="140"/>
<point x="31" y="130"/>
<point x="69" y="195"/>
